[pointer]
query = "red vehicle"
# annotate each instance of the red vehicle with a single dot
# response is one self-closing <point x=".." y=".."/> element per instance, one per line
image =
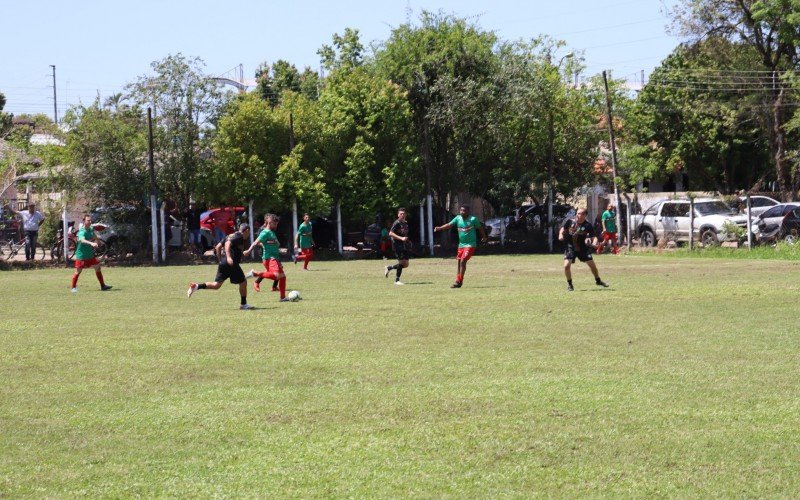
<point x="224" y="219"/>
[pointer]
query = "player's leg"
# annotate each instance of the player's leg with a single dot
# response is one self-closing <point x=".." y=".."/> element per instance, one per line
<point x="98" y="272"/>
<point x="75" y="275"/>
<point x="596" y="274"/>
<point x="308" y="254"/>
<point x="568" y="273"/>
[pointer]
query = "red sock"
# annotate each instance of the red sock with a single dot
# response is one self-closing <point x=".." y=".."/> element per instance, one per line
<point x="75" y="280"/>
<point x="282" y="286"/>
<point x="99" y="275"/>
<point x="306" y="259"/>
<point x="459" y="278"/>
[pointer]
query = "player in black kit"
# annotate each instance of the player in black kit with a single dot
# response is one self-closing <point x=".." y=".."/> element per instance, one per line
<point x="401" y="244"/>
<point x="574" y="234"/>
<point x="229" y="255"/>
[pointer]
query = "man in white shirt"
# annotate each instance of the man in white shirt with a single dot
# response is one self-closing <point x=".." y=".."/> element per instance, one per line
<point x="31" y="219"/>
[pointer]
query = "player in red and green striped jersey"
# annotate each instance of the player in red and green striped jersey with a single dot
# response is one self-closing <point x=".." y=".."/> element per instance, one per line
<point x="304" y="242"/>
<point x="84" y="254"/>
<point x="468" y="226"/>
<point x="270" y="256"/>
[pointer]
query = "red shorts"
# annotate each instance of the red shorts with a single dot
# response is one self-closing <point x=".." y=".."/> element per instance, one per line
<point x="384" y="246"/>
<point x="607" y="236"/>
<point x="273" y="266"/>
<point x="84" y="263"/>
<point x="307" y="252"/>
<point x="465" y="253"/>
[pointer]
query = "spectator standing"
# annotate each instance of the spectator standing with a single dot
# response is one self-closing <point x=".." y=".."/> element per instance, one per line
<point x="192" y="217"/>
<point x="31" y="219"/>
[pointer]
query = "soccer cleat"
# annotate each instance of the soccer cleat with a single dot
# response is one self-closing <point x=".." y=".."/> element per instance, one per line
<point x="192" y="289"/>
<point x="600" y="282"/>
<point x="570" y="288"/>
<point x="275" y="289"/>
<point x="398" y="282"/>
<point x="105" y="288"/>
<point x="256" y="286"/>
<point x="457" y="284"/>
<point x="74" y="290"/>
<point x="246" y="307"/>
<point x="285" y="299"/>
<point x="386" y="272"/>
<point x="250" y="274"/>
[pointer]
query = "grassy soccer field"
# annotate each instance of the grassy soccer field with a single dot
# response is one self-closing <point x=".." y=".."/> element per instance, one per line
<point x="680" y="380"/>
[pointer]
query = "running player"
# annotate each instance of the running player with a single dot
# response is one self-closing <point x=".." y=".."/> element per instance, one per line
<point x="84" y="254"/>
<point x="574" y="234"/>
<point x="467" y="226"/>
<point x="229" y="255"/>
<point x="400" y="243"/>
<point x="304" y="243"/>
<point x="270" y="256"/>
<point x="609" y="222"/>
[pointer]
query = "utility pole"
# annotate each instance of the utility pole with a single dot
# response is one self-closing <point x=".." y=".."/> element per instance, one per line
<point x="153" y="189"/>
<point x="613" y="155"/>
<point x="55" y="103"/>
<point x="551" y="158"/>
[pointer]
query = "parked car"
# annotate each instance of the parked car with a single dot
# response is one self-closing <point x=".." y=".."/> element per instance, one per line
<point x="526" y="218"/>
<point x="772" y="217"/>
<point x="758" y="204"/>
<point x="123" y="228"/>
<point x="671" y="219"/>
<point x="207" y="222"/>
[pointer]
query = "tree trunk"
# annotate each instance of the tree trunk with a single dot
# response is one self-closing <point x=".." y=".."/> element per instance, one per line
<point x="782" y="167"/>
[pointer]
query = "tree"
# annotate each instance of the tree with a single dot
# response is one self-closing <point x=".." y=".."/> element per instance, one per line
<point x="772" y="29"/>
<point x="107" y="151"/>
<point x="5" y="118"/>
<point x="186" y="105"/>
<point x="701" y="115"/>
<point x="273" y="82"/>
<point x="253" y="159"/>
<point x="441" y="61"/>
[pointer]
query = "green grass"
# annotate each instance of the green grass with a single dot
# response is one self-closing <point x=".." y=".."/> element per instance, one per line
<point x="781" y="251"/>
<point x="679" y="380"/>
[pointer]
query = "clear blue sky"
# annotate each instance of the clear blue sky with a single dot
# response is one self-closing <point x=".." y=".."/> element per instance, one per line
<point x="99" y="46"/>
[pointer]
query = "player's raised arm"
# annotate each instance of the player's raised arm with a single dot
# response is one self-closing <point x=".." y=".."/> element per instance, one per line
<point x="442" y="227"/>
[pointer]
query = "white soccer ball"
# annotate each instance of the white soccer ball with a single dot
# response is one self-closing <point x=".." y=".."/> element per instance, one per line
<point x="293" y="295"/>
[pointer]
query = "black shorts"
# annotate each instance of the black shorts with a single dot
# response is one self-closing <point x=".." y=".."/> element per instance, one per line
<point x="582" y="255"/>
<point x="234" y="272"/>
<point x="401" y="253"/>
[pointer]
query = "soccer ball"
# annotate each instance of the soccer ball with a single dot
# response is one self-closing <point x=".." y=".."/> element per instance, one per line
<point x="293" y="295"/>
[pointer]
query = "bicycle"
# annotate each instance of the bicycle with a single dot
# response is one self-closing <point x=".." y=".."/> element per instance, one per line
<point x="57" y="250"/>
<point x="14" y="246"/>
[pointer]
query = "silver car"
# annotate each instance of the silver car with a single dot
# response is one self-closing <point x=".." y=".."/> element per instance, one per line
<point x="772" y="217"/>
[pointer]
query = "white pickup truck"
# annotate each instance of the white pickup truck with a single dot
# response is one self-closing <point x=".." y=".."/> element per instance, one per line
<point x="670" y="219"/>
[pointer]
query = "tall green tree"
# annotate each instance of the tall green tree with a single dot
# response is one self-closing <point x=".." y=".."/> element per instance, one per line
<point x="253" y="159"/>
<point x="701" y="115"/>
<point x="365" y="145"/>
<point x="107" y="152"/>
<point x="772" y="29"/>
<point x="5" y="118"/>
<point x="436" y="63"/>
<point x="186" y="105"/>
